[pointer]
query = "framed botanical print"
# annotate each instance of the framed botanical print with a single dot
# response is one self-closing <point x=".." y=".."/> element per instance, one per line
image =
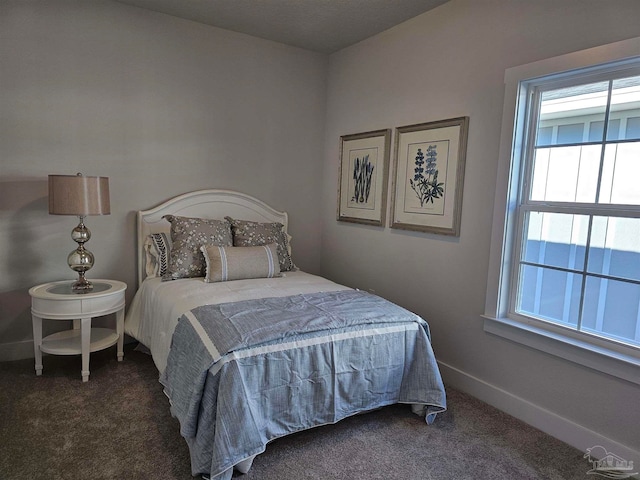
<point x="428" y="177"/>
<point x="362" y="187"/>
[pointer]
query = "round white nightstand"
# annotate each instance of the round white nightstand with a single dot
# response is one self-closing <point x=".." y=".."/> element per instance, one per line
<point x="56" y="301"/>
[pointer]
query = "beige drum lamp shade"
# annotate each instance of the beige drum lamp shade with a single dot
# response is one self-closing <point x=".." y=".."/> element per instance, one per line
<point x="78" y="195"/>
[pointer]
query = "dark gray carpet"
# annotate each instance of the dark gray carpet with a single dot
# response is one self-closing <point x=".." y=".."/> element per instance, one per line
<point x="118" y="426"/>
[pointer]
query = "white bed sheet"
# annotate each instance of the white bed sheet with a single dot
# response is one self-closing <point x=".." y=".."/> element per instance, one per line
<point x="157" y="306"/>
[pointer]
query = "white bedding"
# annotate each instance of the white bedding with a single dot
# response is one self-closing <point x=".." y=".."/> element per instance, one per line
<point x="157" y="306"/>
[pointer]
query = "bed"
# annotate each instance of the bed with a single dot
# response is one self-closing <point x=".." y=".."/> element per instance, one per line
<point x="248" y="347"/>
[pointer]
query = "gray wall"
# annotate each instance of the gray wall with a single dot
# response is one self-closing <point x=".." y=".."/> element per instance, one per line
<point x="161" y="106"/>
<point x="447" y="63"/>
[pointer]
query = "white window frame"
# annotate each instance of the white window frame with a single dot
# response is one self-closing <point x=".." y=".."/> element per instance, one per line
<point x="590" y="351"/>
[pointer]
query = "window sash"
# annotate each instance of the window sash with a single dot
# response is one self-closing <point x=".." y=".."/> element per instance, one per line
<point x="584" y="273"/>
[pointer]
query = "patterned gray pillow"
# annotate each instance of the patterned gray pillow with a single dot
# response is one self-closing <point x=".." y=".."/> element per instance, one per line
<point x="187" y="236"/>
<point x="255" y="234"/>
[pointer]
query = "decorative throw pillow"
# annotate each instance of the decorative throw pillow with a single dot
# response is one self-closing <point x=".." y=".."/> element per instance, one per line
<point x="157" y="248"/>
<point x="237" y="263"/>
<point x="187" y="236"/>
<point x="253" y="234"/>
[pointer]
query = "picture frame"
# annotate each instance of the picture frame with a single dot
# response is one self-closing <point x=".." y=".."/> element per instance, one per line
<point x="428" y="178"/>
<point x="363" y="178"/>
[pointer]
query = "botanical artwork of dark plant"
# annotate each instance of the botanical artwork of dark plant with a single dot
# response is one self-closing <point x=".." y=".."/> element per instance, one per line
<point x="425" y="181"/>
<point x="362" y="174"/>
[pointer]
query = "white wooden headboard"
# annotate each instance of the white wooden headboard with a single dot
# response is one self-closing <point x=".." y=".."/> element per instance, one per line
<point x="210" y="204"/>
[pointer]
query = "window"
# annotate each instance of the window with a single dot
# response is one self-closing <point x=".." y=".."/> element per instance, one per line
<point x="569" y="246"/>
<point x="578" y="254"/>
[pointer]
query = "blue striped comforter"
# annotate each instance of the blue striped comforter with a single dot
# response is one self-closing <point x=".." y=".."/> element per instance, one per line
<point x="244" y="373"/>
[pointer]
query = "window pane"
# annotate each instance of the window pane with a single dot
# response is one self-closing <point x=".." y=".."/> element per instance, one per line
<point x="611" y="309"/>
<point x="566" y="174"/>
<point x="621" y="174"/>
<point x="551" y="295"/>
<point x="556" y="240"/>
<point x="569" y="110"/>
<point x="615" y="247"/>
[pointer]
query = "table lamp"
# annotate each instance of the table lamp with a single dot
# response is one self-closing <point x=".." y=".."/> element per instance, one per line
<point x="81" y="196"/>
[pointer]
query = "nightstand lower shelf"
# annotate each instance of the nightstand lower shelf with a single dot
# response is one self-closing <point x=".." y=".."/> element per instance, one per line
<point x="69" y="342"/>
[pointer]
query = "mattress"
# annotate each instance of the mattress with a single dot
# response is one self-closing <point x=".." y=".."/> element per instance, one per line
<point x="157" y="306"/>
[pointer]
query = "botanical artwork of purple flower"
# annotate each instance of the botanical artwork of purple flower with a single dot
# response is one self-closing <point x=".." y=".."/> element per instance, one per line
<point x="362" y="174"/>
<point x="425" y="179"/>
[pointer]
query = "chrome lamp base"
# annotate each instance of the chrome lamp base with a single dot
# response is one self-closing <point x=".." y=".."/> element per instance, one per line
<point x="81" y="259"/>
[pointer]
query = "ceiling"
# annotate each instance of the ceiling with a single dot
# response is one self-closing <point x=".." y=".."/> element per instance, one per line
<point x="324" y="26"/>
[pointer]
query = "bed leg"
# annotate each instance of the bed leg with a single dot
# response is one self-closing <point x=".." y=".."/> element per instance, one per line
<point x="245" y="465"/>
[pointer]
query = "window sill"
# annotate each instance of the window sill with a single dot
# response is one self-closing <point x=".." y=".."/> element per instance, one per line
<point x="583" y="353"/>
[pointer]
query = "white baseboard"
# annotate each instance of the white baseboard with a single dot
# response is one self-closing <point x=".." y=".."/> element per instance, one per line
<point x="551" y="423"/>
<point x="16" y="351"/>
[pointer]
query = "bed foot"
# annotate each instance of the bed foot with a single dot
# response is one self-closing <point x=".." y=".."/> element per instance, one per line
<point x="245" y="465"/>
